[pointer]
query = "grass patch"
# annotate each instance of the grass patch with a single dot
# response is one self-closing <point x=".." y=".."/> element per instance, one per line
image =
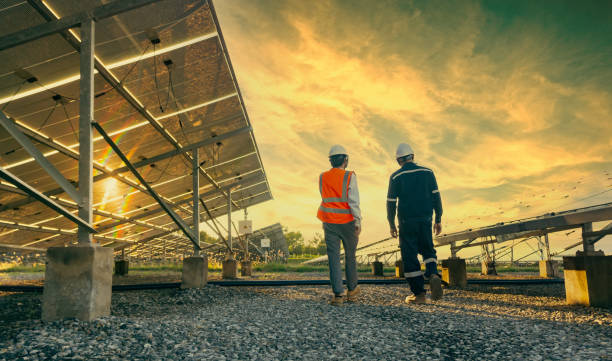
<point x="36" y="268"/>
<point x="506" y="269"/>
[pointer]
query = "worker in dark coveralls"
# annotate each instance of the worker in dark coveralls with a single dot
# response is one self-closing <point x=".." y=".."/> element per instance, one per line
<point x="413" y="191"/>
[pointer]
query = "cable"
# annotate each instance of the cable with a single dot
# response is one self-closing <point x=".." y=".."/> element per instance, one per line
<point x="70" y="122"/>
<point x="106" y="91"/>
<point x="155" y="76"/>
<point x="163" y="172"/>
<point x="48" y="116"/>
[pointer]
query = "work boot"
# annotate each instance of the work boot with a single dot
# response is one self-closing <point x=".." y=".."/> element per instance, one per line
<point x="435" y="286"/>
<point x="416" y="299"/>
<point x="337" y="300"/>
<point x="351" y="296"/>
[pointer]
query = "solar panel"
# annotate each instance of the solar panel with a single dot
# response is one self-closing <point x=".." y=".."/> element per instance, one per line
<point x="176" y="87"/>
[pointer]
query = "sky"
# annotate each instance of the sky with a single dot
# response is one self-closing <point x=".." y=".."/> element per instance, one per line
<point x="508" y="102"/>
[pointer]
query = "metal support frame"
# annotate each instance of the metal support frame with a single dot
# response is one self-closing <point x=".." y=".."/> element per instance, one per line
<point x="105" y="73"/>
<point x="547" y="245"/>
<point x="23" y="140"/>
<point x="9" y="177"/>
<point x="196" y="199"/>
<point x="86" y="109"/>
<point x="175" y="217"/>
<point x="587" y="246"/>
<point x="65" y="23"/>
<point x="229" y="218"/>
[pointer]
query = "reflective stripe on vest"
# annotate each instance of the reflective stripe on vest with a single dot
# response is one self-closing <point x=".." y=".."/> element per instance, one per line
<point x="334" y="209"/>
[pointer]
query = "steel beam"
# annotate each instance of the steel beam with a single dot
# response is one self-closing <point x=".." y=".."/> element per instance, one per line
<point x="175" y="217"/>
<point x="23" y="140"/>
<point x="196" y="199"/>
<point x="182" y="150"/>
<point x="587" y="246"/>
<point x="86" y="110"/>
<point x="157" y="210"/>
<point x="9" y="177"/>
<point x="229" y="218"/>
<point x="53" y="230"/>
<point x="575" y="218"/>
<point x="65" y="23"/>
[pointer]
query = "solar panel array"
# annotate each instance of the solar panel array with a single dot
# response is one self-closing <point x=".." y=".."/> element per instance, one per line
<point x="166" y="82"/>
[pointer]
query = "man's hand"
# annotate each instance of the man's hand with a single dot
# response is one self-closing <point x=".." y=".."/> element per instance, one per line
<point x="357" y="229"/>
<point x="393" y="232"/>
<point x="437" y="228"/>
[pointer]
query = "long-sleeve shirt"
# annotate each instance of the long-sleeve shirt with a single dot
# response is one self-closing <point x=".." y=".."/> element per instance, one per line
<point x="353" y="199"/>
<point x="416" y="189"/>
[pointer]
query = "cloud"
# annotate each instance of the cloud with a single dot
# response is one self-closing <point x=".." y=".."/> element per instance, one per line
<point x="490" y="99"/>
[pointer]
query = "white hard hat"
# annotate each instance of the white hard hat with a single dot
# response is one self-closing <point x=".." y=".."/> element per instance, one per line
<point x="337" y="150"/>
<point x="403" y="150"/>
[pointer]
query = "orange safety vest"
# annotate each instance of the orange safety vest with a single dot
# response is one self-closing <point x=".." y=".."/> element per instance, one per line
<point x="334" y="186"/>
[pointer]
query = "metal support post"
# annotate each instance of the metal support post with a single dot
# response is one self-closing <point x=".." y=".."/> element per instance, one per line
<point x="453" y="249"/>
<point x="547" y="244"/>
<point x="540" y="250"/>
<point x="196" y="200"/>
<point x="229" y="218"/>
<point x="587" y="246"/>
<point x="86" y="108"/>
<point x="246" y="239"/>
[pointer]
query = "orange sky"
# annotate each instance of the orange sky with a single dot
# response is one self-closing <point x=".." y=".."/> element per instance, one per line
<point x="509" y="103"/>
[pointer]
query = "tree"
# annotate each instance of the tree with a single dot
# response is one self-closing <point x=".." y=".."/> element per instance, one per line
<point x="319" y="242"/>
<point x="295" y="241"/>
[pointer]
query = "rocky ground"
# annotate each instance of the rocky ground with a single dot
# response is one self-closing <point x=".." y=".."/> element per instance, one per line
<point x="221" y="323"/>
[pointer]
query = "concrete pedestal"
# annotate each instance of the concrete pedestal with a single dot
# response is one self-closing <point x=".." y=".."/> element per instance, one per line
<point x="549" y="269"/>
<point x="377" y="268"/>
<point x="399" y="269"/>
<point x="488" y="268"/>
<point x="588" y="280"/>
<point x="195" y="272"/>
<point x="246" y="268"/>
<point x="121" y="267"/>
<point x="78" y="283"/>
<point x="454" y="272"/>
<point x="230" y="269"/>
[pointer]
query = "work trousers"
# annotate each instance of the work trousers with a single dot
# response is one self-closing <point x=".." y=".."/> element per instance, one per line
<point x="334" y="233"/>
<point x="416" y="237"/>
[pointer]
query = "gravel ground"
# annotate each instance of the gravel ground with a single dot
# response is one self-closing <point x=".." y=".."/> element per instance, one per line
<point x="220" y="323"/>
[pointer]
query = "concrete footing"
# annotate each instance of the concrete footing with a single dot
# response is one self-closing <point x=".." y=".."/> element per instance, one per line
<point x="588" y="280"/>
<point x="246" y="268"/>
<point x="377" y="268"/>
<point x="121" y="267"/>
<point x="549" y="269"/>
<point x="488" y="268"/>
<point x="230" y="269"/>
<point x="195" y="272"/>
<point x="399" y="269"/>
<point x="454" y="272"/>
<point x="78" y="283"/>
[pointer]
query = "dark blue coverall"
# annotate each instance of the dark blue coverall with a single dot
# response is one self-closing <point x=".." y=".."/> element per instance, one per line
<point x="416" y="190"/>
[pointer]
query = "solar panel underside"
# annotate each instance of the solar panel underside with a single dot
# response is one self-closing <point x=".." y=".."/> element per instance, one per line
<point x="183" y="84"/>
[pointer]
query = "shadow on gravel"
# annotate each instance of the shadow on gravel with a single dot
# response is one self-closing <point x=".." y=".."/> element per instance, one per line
<point x="16" y="308"/>
<point x="524" y="290"/>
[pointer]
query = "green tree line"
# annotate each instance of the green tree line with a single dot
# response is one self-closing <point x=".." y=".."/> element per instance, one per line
<point x="298" y="245"/>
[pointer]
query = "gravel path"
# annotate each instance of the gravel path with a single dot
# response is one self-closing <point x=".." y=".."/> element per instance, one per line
<point x="221" y="323"/>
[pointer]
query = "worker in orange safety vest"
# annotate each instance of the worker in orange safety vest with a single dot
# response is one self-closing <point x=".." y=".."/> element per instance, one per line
<point x="339" y="211"/>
